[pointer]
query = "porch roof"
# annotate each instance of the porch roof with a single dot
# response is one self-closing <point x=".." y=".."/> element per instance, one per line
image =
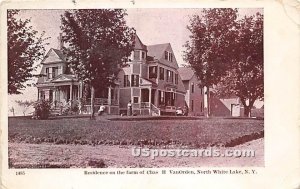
<point x="64" y="78"/>
<point x="147" y="82"/>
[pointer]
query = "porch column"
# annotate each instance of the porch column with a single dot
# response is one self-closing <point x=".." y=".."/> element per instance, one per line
<point x="78" y="91"/>
<point x="118" y="97"/>
<point x="71" y="93"/>
<point x="109" y="96"/>
<point x="81" y="89"/>
<point x="150" y="94"/>
<point x="156" y="98"/>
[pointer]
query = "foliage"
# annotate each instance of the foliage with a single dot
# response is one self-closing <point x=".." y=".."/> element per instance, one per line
<point x="245" y="79"/>
<point x="42" y="109"/>
<point x="211" y="36"/>
<point x="25" y="47"/>
<point x="25" y="105"/>
<point x="99" y="41"/>
<point x="227" y="53"/>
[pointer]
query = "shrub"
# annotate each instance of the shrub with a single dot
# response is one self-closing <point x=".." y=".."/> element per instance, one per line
<point x="42" y="109"/>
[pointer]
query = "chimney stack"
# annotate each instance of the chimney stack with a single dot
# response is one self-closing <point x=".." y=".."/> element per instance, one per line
<point x="60" y="42"/>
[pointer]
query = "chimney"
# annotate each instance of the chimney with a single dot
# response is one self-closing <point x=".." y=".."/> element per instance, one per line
<point x="60" y="42"/>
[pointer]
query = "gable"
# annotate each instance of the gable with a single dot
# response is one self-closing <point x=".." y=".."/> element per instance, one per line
<point x="138" y="45"/>
<point x="51" y="57"/>
<point x="186" y="73"/>
<point x="158" y="52"/>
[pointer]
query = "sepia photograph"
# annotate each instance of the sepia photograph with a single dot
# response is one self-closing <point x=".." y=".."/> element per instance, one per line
<point x="135" y="88"/>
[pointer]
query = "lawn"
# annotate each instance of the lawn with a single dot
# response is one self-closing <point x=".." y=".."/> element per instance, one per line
<point x="196" y="133"/>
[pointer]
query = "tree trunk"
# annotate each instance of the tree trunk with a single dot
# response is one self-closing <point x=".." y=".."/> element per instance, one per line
<point x="247" y="108"/>
<point x="206" y="102"/>
<point x="247" y="111"/>
<point x="92" y="102"/>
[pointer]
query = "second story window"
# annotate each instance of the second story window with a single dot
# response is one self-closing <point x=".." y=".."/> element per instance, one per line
<point x="152" y="72"/>
<point x="51" y="72"/>
<point x="48" y="74"/>
<point x="54" y="72"/>
<point x="135" y="80"/>
<point x="137" y="55"/>
<point x="143" y="55"/>
<point x="169" y="76"/>
<point x="126" y="81"/>
<point x="176" y="78"/>
<point x="161" y="73"/>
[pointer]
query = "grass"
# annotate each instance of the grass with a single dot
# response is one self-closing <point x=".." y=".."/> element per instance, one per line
<point x="196" y="133"/>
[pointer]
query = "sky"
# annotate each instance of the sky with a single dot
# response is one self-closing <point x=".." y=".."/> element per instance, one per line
<point x="153" y="26"/>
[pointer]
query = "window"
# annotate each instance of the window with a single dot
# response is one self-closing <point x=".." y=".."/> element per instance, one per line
<point x="169" y="75"/>
<point x="192" y="87"/>
<point x="54" y="72"/>
<point x="169" y="56"/>
<point x="192" y="105"/>
<point x="172" y="77"/>
<point x="126" y="81"/>
<point x="143" y="55"/>
<point x="161" y="97"/>
<point x="48" y="75"/>
<point x="42" y="95"/>
<point x="166" y="55"/>
<point x="176" y="78"/>
<point x="135" y="99"/>
<point x="170" y="98"/>
<point x="137" y="55"/>
<point x="135" y="80"/>
<point x="152" y="72"/>
<point x="161" y="73"/>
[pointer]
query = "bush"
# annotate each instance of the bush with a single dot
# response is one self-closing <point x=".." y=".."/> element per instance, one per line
<point x="42" y="109"/>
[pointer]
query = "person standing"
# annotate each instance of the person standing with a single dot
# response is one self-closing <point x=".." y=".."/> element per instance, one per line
<point x="129" y="108"/>
<point x="101" y="110"/>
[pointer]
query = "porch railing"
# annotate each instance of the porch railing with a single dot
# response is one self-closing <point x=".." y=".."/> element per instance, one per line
<point x="155" y="109"/>
<point x="145" y="105"/>
<point x="99" y="101"/>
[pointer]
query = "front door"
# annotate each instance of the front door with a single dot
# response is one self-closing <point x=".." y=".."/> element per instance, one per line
<point x="145" y="95"/>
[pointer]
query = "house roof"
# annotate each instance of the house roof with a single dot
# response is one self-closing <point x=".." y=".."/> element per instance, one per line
<point x="138" y="43"/>
<point x="60" y="54"/>
<point x="53" y="56"/>
<point x="186" y="73"/>
<point x="157" y="51"/>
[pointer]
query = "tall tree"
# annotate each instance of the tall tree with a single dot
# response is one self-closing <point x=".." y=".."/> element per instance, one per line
<point x="98" y="43"/>
<point x="245" y="79"/>
<point x="227" y="53"/>
<point x="25" y="47"/>
<point x="212" y="34"/>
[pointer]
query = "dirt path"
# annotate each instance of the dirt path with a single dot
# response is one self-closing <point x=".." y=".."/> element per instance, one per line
<point x="35" y="155"/>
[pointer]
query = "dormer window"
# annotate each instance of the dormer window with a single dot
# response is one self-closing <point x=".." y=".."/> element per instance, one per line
<point x="168" y="56"/>
<point x="51" y="72"/>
